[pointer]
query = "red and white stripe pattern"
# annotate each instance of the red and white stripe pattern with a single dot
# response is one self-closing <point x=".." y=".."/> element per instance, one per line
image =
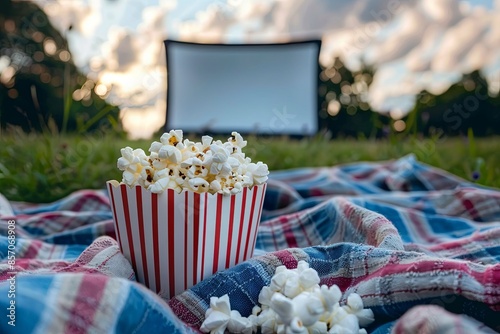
<point x="174" y="241"/>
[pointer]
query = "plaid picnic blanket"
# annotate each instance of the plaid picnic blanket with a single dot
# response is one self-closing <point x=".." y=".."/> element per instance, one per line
<point x="419" y="245"/>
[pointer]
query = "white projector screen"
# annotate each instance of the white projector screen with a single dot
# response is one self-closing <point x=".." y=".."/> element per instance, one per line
<point x="267" y="89"/>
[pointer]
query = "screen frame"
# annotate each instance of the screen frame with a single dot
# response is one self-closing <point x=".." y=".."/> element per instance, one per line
<point x="171" y="75"/>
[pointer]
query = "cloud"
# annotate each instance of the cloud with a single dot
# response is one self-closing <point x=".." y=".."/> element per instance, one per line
<point x="405" y="34"/>
<point x="74" y="13"/>
<point x="458" y="42"/>
<point x="120" y="52"/>
<point x="442" y="12"/>
<point x="291" y="19"/>
<point x="148" y="117"/>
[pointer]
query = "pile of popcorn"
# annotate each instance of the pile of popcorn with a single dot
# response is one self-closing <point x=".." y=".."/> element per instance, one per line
<point x="293" y="303"/>
<point x="180" y="164"/>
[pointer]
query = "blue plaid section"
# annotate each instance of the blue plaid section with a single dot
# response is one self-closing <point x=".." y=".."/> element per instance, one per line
<point x="46" y="304"/>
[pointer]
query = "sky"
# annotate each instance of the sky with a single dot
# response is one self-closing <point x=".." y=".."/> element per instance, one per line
<point x="413" y="44"/>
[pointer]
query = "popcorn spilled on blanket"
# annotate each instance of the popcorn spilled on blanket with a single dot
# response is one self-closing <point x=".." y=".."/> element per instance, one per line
<point x="187" y="210"/>
<point x="294" y="302"/>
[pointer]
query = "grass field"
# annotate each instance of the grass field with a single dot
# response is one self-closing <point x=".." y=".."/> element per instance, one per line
<point x="43" y="168"/>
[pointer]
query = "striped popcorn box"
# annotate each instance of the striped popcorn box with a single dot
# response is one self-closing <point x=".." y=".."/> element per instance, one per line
<point x="174" y="241"/>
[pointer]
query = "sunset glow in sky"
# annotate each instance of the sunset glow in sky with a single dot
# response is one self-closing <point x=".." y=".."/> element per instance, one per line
<point x="414" y="45"/>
